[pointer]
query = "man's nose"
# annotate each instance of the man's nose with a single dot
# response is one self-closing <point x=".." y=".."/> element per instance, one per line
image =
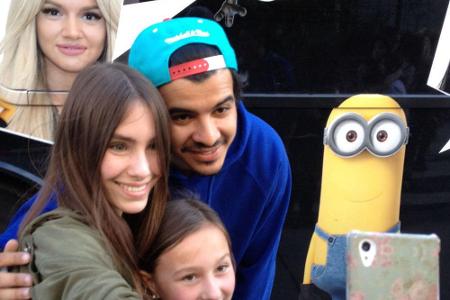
<point x="206" y="132"/>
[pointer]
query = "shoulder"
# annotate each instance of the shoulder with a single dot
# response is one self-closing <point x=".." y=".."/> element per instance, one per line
<point x="63" y="233"/>
<point x="71" y="260"/>
<point x="259" y="156"/>
<point x="263" y="143"/>
<point x="58" y="220"/>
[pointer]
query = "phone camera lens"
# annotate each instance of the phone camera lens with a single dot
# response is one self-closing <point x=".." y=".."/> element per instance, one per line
<point x="365" y="246"/>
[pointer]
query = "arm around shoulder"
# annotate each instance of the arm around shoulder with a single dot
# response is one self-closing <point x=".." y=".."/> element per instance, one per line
<point x="71" y="261"/>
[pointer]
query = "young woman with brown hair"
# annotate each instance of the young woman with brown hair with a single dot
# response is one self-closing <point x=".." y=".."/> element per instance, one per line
<point x="109" y="160"/>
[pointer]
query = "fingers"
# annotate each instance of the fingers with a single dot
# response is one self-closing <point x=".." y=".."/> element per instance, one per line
<point x="14" y="285"/>
<point x="11" y="257"/>
<point x="14" y="280"/>
<point x="19" y="293"/>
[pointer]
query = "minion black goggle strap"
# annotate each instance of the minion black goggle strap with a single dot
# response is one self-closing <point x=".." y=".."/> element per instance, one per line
<point x="350" y="134"/>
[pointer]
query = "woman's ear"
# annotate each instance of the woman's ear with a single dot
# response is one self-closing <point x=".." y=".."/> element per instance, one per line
<point x="149" y="282"/>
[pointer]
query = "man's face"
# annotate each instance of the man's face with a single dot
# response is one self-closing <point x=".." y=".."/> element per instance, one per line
<point x="203" y="121"/>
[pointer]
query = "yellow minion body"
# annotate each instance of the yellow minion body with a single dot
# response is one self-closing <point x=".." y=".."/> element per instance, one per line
<point x="361" y="191"/>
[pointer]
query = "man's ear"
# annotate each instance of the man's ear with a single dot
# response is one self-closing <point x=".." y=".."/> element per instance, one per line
<point x="149" y="283"/>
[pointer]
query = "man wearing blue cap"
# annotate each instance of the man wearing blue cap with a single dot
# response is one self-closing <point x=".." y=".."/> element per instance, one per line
<point x="233" y="160"/>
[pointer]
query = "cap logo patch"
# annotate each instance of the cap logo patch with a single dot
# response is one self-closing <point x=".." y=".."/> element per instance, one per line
<point x="186" y="35"/>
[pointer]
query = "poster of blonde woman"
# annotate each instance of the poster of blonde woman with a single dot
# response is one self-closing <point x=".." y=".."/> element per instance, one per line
<point x="45" y="44"/>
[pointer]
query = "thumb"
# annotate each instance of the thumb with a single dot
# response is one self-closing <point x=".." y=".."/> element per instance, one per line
<point x="12" y="246"/>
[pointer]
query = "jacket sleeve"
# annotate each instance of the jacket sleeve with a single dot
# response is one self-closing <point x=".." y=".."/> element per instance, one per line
<point x="72" y="263"/>
<point x="256" y="271"/>
<point x="11" y="232"/>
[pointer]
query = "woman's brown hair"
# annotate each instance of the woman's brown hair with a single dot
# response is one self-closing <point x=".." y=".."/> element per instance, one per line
<point x="97" y="102"/>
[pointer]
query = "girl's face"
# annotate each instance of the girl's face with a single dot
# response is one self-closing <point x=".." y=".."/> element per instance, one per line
<point x="199" y="267"/>
<point x="71" y="34"/>
<point x="130" y="167"/>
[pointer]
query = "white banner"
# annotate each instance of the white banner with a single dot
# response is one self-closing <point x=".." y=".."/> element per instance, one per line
<point x="136" y="17"/>
<point x="439" y="77"/>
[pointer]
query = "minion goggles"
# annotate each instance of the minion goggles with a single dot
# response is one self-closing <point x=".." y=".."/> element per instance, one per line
<point x="350" y="134"/>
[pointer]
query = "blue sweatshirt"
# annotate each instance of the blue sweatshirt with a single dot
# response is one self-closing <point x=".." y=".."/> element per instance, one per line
<point x="251" y="195"/>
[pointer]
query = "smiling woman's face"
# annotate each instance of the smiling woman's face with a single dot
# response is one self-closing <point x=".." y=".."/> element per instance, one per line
<point x="71" y="34"/>
<point x="130" y="167"/>
<point x="199" y="267"/>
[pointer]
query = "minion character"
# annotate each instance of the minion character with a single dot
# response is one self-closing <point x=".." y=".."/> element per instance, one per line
<point x="364" y="150"/>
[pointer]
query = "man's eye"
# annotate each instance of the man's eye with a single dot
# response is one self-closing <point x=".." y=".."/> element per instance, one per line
<point x="50" y="11"/>
<point x="90" y="16"/>
<point x="180" y="118"/>
<point x="222" y="110"/>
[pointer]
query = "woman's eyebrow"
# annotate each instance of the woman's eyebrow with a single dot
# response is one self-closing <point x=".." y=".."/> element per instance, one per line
<point x="118" y="136"/>
<point x="88" y="7"/>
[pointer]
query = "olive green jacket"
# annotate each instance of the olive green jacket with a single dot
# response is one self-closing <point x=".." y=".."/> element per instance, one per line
<point x="70" y="260"/>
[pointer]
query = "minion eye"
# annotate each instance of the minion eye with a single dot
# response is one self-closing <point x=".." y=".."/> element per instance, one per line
<point x="348" y="137"/>
<point x="386" y="137"/>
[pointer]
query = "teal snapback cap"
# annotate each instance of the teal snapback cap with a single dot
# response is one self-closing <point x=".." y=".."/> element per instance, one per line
<point x="151" y="51"/>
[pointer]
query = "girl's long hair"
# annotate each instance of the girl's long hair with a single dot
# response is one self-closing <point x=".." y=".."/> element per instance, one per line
<point x="98" y="101"/>
<point x="22" y="64"/>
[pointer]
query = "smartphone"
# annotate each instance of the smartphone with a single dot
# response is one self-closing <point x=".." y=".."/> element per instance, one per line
<point x="384" y="266"/>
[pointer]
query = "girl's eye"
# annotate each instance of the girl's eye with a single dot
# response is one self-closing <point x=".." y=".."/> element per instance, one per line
<point x="223" y="268"/>
<point x="189" y="278"/>
<point x="50" y="11"/>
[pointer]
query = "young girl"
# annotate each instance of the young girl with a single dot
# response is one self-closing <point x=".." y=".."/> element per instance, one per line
<point x="109" y="160"/>
<point x="191" y="257"/>
<point x="46" y="44"/>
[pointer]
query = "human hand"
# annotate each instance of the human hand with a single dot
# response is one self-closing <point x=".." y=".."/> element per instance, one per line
<point x="14" y="285"/>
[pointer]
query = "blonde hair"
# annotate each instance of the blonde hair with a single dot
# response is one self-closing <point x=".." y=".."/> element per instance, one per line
<point x="22" y="64"/>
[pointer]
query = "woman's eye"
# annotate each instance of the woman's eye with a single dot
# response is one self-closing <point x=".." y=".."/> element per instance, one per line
<point x="50" y="11"/>
<point x="386" y="137"/>
<point x="92" y="16"/>
<point x="118" y="147"/>
<point x="348" y="137"/>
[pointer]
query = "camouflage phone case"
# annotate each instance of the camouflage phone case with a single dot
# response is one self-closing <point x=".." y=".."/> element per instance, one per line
<point x="384" y="266"/>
